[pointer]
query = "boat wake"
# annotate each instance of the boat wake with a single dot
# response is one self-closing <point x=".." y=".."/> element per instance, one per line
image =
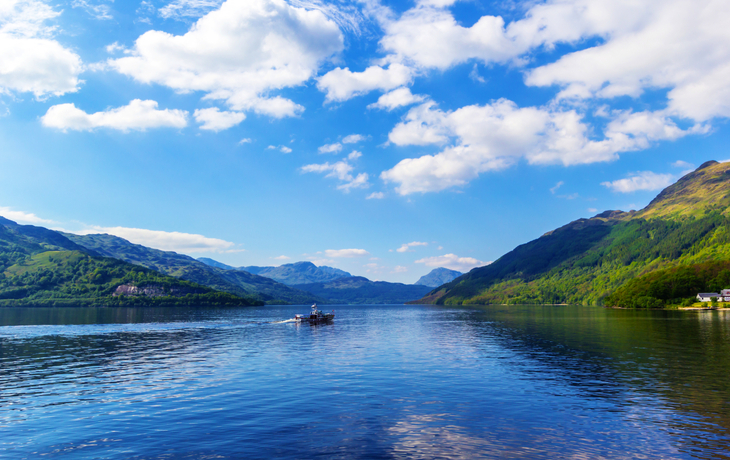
<point x="285" y="321"/>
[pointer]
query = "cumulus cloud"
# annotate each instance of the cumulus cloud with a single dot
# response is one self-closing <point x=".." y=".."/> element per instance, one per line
<point x="354" y="155"/>
<point x="650" y="44"/>
<point x="345" y="253"/>
<point x="330" y="148"/>
<point x="453" y="262"/>
<point x="137" y="115"/>
<point x="494" y="136"/>
<point x="30" y="60"/>
<point x="407" y="246"/>
<point x="644" y="180"/>
<point x="342" y="84"/>
<point x="375" y="196"/>
<point x="285" y="149"/>
<point x="353" y="139"/>
<point x="214" y="120"/>
<point x="167" y="241"/>
<point x="239" y="53"/>
<point x="641" y="45"/>
<point x="282" y="258"/>
<point x="342" y="171"/>
<point x="397" y="98"/>
<point x="22" y="217"/>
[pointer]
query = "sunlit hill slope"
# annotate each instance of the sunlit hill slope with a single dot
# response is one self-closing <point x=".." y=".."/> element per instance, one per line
<point x="584" y="261"/>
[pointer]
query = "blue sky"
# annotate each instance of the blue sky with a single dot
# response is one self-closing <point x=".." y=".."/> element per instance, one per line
<point x="382" y="138"/>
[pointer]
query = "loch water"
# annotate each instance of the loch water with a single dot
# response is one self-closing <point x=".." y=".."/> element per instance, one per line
<point x="393" y="381"/>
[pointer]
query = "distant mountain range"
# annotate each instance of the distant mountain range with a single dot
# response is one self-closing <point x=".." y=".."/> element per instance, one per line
<point x="359" y="290"/>
<point x="583" y="262"/>
<point x="187" y="268"/>
<point x="437" y="277"/>
<point x="289" y="274"/>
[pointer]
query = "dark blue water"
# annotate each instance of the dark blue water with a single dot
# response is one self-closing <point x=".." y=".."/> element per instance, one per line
<point x="380" y="382"/>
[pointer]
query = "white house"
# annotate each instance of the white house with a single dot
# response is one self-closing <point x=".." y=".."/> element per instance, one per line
<point x="706" y="296"/>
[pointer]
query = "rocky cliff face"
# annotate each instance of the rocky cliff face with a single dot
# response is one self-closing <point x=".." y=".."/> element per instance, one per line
<point x="154" y="291"/>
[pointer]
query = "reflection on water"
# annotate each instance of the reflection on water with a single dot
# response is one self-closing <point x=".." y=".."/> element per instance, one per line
<point x="380" y="382"/>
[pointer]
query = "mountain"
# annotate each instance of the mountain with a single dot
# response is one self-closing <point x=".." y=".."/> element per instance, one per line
<point x="214" y="263"/>
<point x="187" y="268"/>
<point x="437" y="277"/>
<point x="41" y="267"/>
<point x="359" y="290"/>
<point x="298" y="273"/>
<point x="584" y="261"/>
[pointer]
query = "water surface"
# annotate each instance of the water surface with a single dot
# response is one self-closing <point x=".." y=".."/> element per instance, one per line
<point x="380" y="382"/>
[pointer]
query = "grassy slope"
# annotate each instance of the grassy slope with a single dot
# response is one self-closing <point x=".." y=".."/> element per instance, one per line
<point x="584" y="261"/>
<point x="184" y="267"/>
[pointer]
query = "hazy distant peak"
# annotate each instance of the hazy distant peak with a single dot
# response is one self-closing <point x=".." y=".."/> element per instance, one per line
<point x="437" y="277"/>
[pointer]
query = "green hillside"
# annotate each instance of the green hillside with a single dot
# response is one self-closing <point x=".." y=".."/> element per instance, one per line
<point x="236" y="282"/>
<point x="39" y="267"/>
<point x="586" y="260"/>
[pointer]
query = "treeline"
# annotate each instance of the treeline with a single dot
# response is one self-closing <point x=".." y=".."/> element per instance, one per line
<point x="672" y="286"/>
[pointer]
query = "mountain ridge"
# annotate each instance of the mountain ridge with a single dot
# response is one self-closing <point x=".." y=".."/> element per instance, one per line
<point x="587" y="259"/>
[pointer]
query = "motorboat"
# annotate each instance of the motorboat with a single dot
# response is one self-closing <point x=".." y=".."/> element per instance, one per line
<point x="315" y="317"/>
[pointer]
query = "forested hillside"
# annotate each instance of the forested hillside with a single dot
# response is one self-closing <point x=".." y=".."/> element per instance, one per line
<point x="236" y="282"/>
<point x="586" y="260"/>
<point x="41" y="267"/>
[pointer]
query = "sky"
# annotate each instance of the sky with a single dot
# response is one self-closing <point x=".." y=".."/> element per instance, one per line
<point x="382" y="138"/>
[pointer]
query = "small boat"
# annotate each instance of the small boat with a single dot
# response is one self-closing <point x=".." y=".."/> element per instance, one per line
<point x="315" y="317"/>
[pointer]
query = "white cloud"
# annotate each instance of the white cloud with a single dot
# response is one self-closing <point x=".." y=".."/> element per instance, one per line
<point x="496" y="135"/>
<point x="22" y="217"/>
<point x="653" y="44"/>
<point x="474" y="75"/>
<point x="592" y="210"/>
<point x="683" y="164"/>
<point x="30" y="60"/>
<point x="345" y="253"/>
<point x="282" y="258"/>
<point x="375" y="196"/>
<point x="557" y="186"/>
<point x="399" y="269"/>
<point x="114" y="48"/>
<point x="430" y="37"/>
<point x="645" y="180"/>
<point x="285" y="149"/>
<point x="342" y="84"/>
<point x="239" y="53"/>
<point x="96" y="10"/>
<point x="341" y="170"/>
<point x="354" y="155"/>
<point x="453" y="262"/>
<point x="215" y="120"/>
<point x="330" y="148"/>
<point x="138" y="115"/>
<point x="353" y="139"/>
<point x="400" y="97"/>
<point x="650" y="44"/>
<point x="246" y="140"/>
<point x="167" y="241"/>
<point x="407" y="246"/>
<point x="359" y="181"/>
<point x="180" y="9"/>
